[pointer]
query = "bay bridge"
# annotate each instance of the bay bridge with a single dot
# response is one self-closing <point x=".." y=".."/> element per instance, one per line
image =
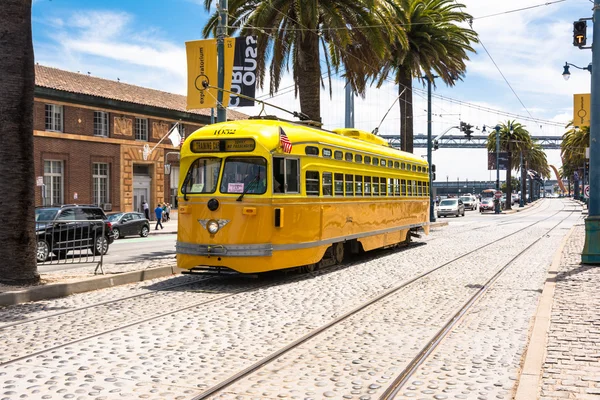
<point x="475" y="142"/>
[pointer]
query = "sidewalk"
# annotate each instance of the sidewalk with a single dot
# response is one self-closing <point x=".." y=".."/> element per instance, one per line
<point x="563" y="357"/>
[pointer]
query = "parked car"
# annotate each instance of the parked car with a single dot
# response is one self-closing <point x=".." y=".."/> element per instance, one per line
<point x="515" y="198"/>
<point x="129" y="223"/>
<point x="64" y="228"/>
<point x="487" y="204"/>
<point x="469" y="201"/>
<point x="451" y="207"/>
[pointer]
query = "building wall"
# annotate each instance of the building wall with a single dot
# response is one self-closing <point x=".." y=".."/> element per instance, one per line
<point x="78" y="148"/>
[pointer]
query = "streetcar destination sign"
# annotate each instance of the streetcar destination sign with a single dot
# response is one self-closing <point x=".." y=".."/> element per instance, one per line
<point x="219" y="145"/>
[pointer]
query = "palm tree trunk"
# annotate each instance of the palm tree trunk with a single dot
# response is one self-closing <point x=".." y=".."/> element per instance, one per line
<point x="508" y="204"/>
<point x="309" y="81"/>
<point x="406" y="112"/>
<point x="17" y="236"/>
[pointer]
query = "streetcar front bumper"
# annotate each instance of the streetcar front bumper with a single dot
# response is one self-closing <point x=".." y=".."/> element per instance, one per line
<point x="239" y="250"/>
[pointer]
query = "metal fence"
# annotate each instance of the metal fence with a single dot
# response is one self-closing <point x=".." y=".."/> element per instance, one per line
<point x="72" y="242"/>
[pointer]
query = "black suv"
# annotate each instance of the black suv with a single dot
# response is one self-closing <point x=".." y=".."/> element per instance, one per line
<point x="71" y="227"/>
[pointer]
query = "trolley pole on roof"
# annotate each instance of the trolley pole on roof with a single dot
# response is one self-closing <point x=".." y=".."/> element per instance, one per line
<point x="349" y="106"/>
<point x="429" y="144"/>
<point x="221" y="33"/>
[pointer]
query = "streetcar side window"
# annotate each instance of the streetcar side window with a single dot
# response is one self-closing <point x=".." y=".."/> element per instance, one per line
<point x="382" y="185"/>
<point x="414" y="168"/>
<point x="349" y="156"/>
<point x="367" y="185"/>
<point x="419" y="188"/>
<point x="311" y="151"/>
<point x="383" y="163"/>
<point x="349" y="185"/>
<point x="375" y="161"/>
<point x="367" y="160"/>
<point x="375" y="186"/>
<point x="419" y="168"/>
<point x="396" y="187"/>
<point x="358" y="158"/>
<point x="414" y="187"/>
<point x="403" y="166"/>
<point x="358" y="185"/>
<point x="338" y="155"/>
<point x="338" y="182"/>
<point x="391" y="186"/>
<point x="327" y="184"/>
<point x="287" y="174"/>
<point x="396" y="164"/>
<point x="327" y="153"/>
<point x="312" y="183"/>
<point x="409" y="187"/>
<point x="403" y="186"/>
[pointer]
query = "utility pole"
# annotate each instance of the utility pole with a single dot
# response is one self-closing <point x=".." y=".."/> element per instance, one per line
<point x="521" y="204"/>
<point x="349" y="106"/>
<point x="221" y="33"/>
<point x="429" y="144"/>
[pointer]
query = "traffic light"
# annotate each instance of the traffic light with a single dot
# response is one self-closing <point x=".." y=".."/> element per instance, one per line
<point x="463" y="126"/>
<point x="468" y="131"/>
<point x="579" y="33"/>
<point x="436" y="145"/>
<point x="433" y="172"/>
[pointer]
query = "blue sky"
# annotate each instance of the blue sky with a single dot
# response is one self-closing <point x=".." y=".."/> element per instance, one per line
<point x="142" y="43"/>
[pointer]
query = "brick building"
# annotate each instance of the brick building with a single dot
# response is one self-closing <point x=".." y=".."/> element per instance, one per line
<point x="89" y="136"/>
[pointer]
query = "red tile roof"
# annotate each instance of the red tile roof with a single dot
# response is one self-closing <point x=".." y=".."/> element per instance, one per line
<point x="73" y="82"/>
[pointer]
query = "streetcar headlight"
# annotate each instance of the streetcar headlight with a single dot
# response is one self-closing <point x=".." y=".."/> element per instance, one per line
<point x="212" y="226"/>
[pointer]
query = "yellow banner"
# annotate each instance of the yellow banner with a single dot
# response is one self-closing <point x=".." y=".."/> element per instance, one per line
<point x="202" y="66"/>
<point x="581" y="109"/>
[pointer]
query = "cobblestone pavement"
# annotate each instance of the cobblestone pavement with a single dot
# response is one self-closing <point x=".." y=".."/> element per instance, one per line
<point x="572" y="366"/>
<point x="182" y="353"/>
<point x="352" y="361"/>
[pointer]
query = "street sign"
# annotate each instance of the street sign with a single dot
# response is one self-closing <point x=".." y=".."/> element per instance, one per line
<point x="503" y="156"/>
<point x="39" y="181"/>
<point x="498" y="194"/>
<point x="586" y="191"/>
<point x="581" y="109"/>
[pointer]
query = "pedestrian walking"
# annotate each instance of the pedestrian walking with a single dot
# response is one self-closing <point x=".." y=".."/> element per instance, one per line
<point x="146" y="210"/>
<point x="159" y="213"/>
<point x="164" y="215"/>
<point x="168" y="211"/>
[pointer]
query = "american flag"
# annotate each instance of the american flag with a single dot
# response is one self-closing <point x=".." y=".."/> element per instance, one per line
<point x="284" y="141"/>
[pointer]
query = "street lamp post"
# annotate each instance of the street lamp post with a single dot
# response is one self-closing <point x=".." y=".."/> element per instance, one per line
<point x="429" y="155"/>
<point x="497" y="128"/>
<point x="521" y="204"/>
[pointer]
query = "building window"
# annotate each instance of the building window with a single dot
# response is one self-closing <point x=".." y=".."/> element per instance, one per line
<point x="100" y="179"/>
<point x="100" y="123"/>
<point x="53" y="182"/>
<point x="54" y="117"/>
<point x="141" y="129"/>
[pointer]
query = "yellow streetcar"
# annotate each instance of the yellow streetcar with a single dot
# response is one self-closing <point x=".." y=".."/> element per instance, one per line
<point x="265" y="194"/>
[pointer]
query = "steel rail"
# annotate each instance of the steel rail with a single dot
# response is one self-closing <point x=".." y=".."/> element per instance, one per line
<point x="420" y="358"/>
<point x="273" y="356"/>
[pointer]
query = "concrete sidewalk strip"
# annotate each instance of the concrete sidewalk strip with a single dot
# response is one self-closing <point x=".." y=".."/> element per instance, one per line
<point x="62" y="289"/>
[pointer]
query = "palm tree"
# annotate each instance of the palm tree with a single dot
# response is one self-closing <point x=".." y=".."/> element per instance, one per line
<point x="17" y="235"/>
<point x="572" y="147"/>
<point x="537" y="160"/>
<point x="437" y="46"/>
<point x="514" y="138"/>
<point x="353" y="35"/>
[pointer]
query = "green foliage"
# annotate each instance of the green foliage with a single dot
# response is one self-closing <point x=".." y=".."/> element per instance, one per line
<point x="572" y="149"/>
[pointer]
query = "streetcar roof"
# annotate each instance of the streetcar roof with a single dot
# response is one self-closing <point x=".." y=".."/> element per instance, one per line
<point x="266" y="134"/>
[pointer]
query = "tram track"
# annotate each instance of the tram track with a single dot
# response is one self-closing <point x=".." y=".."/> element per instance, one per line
<point x="255" y="367"/>
<point x="432" y="345"/>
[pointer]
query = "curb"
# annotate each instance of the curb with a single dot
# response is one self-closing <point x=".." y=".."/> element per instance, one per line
<point x="56" y="290"/>
<point x="162" y="233"/>
<point x="438" y="224"/>
<point x="531" y="373"/>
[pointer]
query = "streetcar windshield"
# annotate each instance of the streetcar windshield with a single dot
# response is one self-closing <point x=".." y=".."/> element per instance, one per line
<point x="244" y="175"/>
<point x="202" y="177"/>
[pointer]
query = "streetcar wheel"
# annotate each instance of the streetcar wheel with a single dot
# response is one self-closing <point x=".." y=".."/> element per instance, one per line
<point x="307" y="269"/>
<point x="338" y="252"/>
